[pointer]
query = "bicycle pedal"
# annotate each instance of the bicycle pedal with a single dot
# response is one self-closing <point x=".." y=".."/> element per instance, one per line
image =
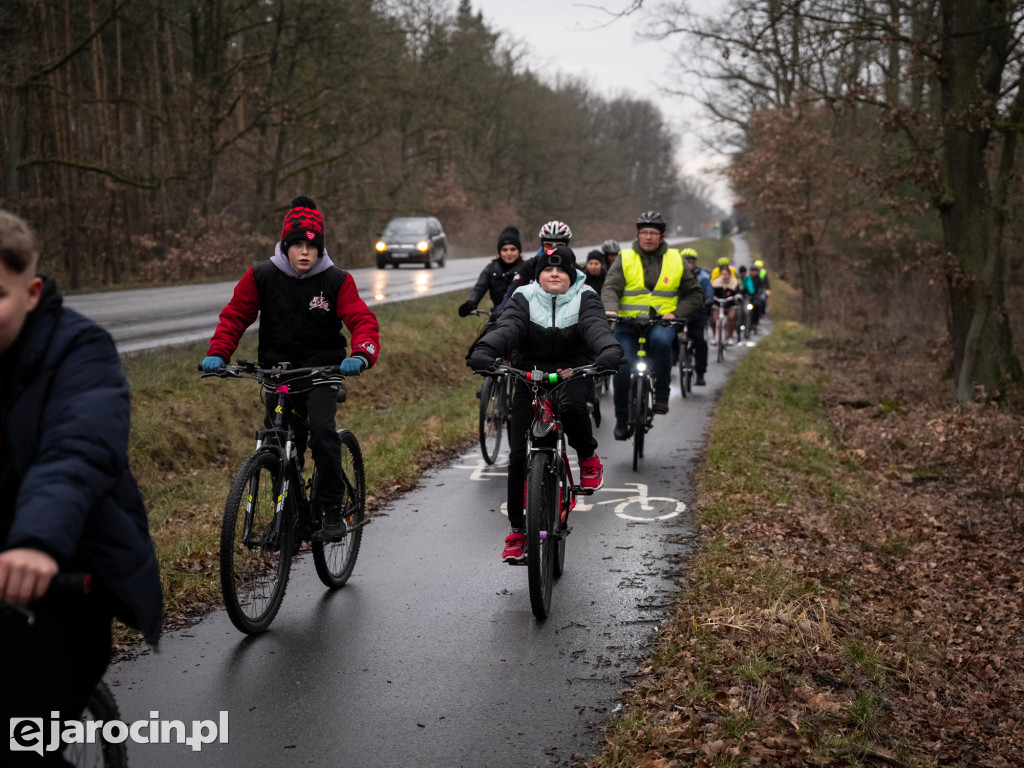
<point x="579" y="490"/>
<point x="516" y="562"/>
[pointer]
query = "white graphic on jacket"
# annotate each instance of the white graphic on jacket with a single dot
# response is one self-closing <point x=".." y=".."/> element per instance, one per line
<point x="319" y="302"/>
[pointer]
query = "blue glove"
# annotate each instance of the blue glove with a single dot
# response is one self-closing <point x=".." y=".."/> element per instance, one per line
<point x="352" y="366"/>
<point x="212" y="364"/>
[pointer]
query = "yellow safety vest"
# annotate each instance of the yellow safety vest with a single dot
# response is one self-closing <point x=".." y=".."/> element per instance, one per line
<point x="636" y="299"/>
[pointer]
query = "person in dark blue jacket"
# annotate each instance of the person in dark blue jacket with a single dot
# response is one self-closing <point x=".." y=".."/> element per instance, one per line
<point x="68" y="501"/>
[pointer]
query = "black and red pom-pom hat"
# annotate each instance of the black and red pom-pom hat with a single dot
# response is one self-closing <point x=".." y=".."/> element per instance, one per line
<point x="303" y="223"/>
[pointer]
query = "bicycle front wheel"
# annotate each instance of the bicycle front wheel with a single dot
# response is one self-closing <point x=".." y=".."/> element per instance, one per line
<point x="101" y="708"/>
<point x="492" y="409"/>
<point x="334" y="560"/>
<point x="541" y="532"/>
<point x="638" y="415"/>
<point x="255" y="545"/>
<point x="720" y="340"/>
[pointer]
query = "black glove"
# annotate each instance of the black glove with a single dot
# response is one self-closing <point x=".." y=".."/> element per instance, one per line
<point x="479" y="360"/>
<point x="610" y="359"/>
<point x="465" y="308"/>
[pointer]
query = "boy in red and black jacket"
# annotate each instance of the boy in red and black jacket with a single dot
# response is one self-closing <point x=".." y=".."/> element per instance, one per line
<point x="302" y="301"/>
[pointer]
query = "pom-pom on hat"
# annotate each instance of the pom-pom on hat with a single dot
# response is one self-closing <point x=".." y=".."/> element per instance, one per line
<point x="509" y="236"/>
<point x="303" y="223"/>
<point x="561" y="256"/>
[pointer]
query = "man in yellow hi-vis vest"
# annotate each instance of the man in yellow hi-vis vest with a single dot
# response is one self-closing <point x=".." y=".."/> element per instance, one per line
<point x="648" y="275"/>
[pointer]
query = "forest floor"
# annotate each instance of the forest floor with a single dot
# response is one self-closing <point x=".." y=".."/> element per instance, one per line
<point x="858" y="598"/>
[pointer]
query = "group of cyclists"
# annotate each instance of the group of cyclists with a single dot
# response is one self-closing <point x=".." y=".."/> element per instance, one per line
<point x="553" y="314"/>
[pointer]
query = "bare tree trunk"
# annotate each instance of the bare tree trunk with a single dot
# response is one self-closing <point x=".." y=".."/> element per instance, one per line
<point x="974" y="49"/>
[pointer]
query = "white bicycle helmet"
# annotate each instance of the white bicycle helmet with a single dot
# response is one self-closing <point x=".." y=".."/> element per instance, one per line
<point x="555" y="231"/>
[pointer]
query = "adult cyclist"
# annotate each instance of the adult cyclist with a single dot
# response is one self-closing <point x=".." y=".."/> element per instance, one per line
<point x="648" y="275"/>
<point x="552" y="235"/>
<point x="698" y="321"/>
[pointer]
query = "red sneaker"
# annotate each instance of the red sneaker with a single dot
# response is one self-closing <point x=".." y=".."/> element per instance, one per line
<point x="515" y="544"/>
<point x="591" y="473"/>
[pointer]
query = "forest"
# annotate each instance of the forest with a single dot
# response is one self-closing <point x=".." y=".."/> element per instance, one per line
<point x="874" y="145"/>
<point x="160" y="141"/>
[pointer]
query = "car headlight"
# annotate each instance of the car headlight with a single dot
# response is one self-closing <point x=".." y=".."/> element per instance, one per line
<point x="381" y="246"/>
<point x="422" y="246"/>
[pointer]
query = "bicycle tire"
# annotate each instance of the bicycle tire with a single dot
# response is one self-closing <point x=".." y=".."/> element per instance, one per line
<point x="562" y="501"/>
<point x="253" y="572"/>
<point x="334" y="560"/>
<point x="541" y="515"/>
<point x="720" y="340"/>
<point x="638" y="417"/>
<point x="101" y="754"/>
<point x="492" y="393"/>
<point x="690" y="365"/>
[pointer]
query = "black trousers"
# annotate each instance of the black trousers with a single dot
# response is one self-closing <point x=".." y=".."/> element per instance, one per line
<point x="52" y="665"/>
<point x="572" y="407"/>
<point x="318" y="407"/>
<point x="695" y="325"/>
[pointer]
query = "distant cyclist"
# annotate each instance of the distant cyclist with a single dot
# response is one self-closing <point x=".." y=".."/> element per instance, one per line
<point x="726" y="284"/>
<point x="697" y="322"/>
<point x="595" y="270"/>
<point x="762" y="285"/>
<point x="648" y="275"/>
<point x="610" y="249"/>
<point x="496" y="277"/>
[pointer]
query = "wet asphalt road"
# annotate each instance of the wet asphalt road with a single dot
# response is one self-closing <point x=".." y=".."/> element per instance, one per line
<point x="430" y="655"/>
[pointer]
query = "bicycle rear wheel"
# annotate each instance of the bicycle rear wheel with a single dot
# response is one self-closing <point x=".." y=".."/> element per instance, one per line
<point x="492" y="410"/>
<point x="541" y="532"/>
<point x="101" y="754"/>
<point x="334" y="560"/>
<point x="255" y="547"/>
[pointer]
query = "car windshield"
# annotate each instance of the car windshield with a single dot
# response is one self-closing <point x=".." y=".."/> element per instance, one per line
<point x="406" y="227"/>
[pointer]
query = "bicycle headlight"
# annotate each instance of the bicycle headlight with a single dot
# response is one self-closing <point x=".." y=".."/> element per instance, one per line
<point x="641" y="366"/>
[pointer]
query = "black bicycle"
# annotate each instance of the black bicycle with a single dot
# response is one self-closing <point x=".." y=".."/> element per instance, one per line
<point x="550" y="489"/>
<point x="97" y="752"/>
<point x="687" y="360"/>
<point x="272" y="508"/>
<point x="641" y="381"/>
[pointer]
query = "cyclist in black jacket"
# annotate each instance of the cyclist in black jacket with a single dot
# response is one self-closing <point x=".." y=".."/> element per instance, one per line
<point x="497" y="276"/>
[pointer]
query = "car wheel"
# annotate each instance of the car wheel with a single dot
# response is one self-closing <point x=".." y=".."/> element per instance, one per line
<point x="429" y="261"/>
<point x="444" y="255"/>
<point x="382" y="263"/>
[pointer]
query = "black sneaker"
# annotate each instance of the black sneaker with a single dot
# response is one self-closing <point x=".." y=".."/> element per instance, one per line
<point x="334" y="524"/>
<point x="661" y="405"/>
<point x="621" y="431"/>
<point x="700" y="380"/>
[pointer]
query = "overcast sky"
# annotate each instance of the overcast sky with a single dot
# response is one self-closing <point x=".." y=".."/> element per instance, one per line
<point x="576" y="38"/>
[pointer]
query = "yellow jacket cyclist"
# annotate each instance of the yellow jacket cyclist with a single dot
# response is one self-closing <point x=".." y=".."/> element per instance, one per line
<point x="648" y="275"/>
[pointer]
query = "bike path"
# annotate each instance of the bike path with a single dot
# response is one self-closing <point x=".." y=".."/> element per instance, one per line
<point x="430" y="655"/>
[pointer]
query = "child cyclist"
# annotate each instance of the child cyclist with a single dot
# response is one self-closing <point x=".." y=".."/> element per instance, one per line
<point x="553" y="323"/>
<point x="302" y="301"/>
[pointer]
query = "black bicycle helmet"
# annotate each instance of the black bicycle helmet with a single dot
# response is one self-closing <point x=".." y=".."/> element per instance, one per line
<point x="610" y="246"/>
<point x="651" y="219"/>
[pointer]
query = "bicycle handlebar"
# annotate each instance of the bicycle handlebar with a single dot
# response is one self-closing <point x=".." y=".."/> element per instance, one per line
<point x="537" y="376"/>
<point x="320" y="375"/>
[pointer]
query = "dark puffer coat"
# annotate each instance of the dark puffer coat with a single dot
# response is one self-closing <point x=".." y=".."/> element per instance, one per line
<point x="494" y="280"/>
<point x="552" y="331"/>
<point x="64" y="424"/>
